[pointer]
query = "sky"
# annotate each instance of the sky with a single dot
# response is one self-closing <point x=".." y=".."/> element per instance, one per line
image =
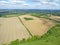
<point x="30" y="4"/>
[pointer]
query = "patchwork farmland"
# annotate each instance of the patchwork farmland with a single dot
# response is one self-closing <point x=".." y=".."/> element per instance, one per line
<point x="13" y="28"/>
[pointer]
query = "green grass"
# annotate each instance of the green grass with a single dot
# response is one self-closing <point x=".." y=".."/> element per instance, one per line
<point x="52" y="37"/>
<point x="11" y="15"/>
<point x="28" y="18"/>
<point x="40" y="15"/>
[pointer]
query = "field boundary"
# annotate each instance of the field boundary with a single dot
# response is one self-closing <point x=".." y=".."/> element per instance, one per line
<point x="25" y="26"/>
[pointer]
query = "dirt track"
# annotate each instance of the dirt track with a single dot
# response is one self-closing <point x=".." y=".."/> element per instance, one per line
<point x="38" y="26"/>
<point x="11" y="29"/>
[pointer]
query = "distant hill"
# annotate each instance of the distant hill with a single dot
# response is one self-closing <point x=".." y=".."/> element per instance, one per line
<point x="14" y="11"/>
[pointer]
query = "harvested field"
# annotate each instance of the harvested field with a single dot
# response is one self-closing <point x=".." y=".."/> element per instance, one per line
<point x="37" y="26"/>
<point x="11" y="29"/>
<point x="55" y="18"/>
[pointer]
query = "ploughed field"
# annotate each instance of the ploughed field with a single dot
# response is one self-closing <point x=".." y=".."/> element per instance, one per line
<point x="13" y="28"/>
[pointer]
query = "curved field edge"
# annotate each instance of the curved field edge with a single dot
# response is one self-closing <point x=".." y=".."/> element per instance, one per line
<point x="52" y="37"/>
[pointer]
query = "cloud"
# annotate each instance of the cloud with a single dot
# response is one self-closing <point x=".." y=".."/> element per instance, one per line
<point x="12" y="1"/>
<point x="32" y="4"/>
<point x="3" y="2"/>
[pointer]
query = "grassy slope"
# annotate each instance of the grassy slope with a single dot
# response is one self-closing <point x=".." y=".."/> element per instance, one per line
<point x="51" y="38"/>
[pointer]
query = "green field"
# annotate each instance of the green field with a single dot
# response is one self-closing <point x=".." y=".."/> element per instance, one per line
<point x="28" y="18"/>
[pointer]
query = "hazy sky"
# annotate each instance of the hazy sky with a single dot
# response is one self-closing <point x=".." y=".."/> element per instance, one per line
<point x="29" y="4"/>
